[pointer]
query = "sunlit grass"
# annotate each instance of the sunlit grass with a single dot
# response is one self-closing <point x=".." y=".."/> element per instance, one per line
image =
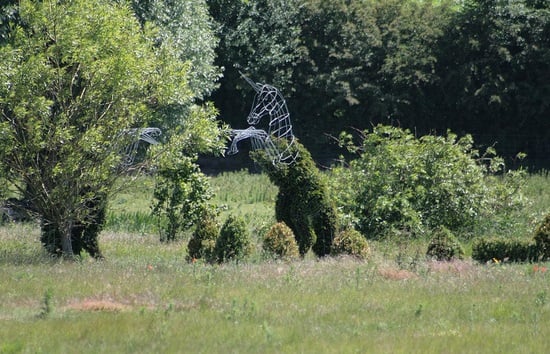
<point x="145" y="297"/>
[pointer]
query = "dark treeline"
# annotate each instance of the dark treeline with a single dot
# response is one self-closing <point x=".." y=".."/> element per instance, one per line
<point x="479" y="67"/>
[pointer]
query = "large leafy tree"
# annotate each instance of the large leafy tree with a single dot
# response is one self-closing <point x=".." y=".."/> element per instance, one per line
<point x="495" y="69"/>
<point x="75" y="78"/>
<point x="189" y="29"/>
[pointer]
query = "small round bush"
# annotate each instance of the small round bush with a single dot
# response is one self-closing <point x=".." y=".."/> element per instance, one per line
<point x="351" y="242"/>
<point x="280" y="242"/>
<point x="203" y="241"/>
<point x="542" y="238"/>
<point x="234" y="241"/>
<point x="444" y="246"/>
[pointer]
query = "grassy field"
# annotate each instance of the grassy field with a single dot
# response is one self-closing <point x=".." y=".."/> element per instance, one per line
<point x="144" y="297"/>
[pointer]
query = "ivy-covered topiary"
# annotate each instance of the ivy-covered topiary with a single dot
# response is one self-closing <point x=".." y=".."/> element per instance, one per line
<point x="234" y="241"/>
<point x="503" y="249"/>
<point x="280" y="242"/>
<point x="351" y="242"/>
<point x="542" y="238"/>
<point x="444" y="246"/>
<point x="203" y="241"/>
<point x="303" y="202"/>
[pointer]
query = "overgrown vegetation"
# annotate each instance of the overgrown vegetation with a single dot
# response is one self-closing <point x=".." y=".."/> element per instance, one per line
<point x="79" y="81"/>
<point x="350" y="242"/>
<point x="542" y="238"/>
<point x="234" y="242"/>
<point x="280" y="242"/>
<point x="444" y="246"/>
<point x="202" y="243"/>
<point x="404" y="186"/>
<point x="498" y="249"/>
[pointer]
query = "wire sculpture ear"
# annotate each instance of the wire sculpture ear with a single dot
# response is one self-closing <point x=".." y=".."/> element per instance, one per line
<point x="256" y="86"/>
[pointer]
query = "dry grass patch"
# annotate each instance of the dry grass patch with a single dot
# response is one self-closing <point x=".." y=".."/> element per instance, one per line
<point x="392" y="273"/>
<point x="93" y="305"/>
<point x="457" y="267"/>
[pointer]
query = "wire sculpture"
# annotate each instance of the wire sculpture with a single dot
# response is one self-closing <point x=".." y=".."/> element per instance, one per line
<point x="268" y="102"/>
<point x="148" y="135"/>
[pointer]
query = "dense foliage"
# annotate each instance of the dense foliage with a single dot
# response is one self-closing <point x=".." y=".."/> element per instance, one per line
<point x="302" y="202"/>
<point x="542" y="238"/>
<point x="350" y="242"/>
<point x="475" y="66"/>
<point x="76" y="78"/>
<point x="234" y="242"/>
<point x="202" y="243"/>
<point x="181" y="189"/>
<point x="499" y="249"/>
<point x="280" y="242"/>
<point x="188" y="28"/>
<point x="444" y="246"/>
<point x="403" y="185"/>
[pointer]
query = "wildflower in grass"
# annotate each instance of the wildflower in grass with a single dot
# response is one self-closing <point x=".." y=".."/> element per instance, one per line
<point x="149" y="267"/>
<point x="539" y="269"/>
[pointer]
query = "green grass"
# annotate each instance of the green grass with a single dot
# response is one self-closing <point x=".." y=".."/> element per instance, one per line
<point x="144" y="297"/>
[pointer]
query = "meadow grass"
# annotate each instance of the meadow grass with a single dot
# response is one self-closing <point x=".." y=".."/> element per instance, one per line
<point x="144" y="297"/>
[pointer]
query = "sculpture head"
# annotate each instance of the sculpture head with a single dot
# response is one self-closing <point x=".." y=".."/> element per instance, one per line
<point x="265" y="101"/>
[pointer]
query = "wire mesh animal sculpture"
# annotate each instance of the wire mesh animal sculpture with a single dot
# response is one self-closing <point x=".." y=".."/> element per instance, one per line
<point x="137" y="135"/>
<point x="278" y="140"/>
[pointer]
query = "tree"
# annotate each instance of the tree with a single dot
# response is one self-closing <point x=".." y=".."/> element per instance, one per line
<point x="495" y="73"/>
<point x="189" y="29"/>
<point x="75" y="78"/>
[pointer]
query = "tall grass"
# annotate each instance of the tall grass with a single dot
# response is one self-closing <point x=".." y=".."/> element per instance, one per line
<point x="144" y="297"/>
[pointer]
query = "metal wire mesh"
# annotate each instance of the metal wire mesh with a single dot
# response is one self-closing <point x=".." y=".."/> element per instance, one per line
<point x="278" y="140"/>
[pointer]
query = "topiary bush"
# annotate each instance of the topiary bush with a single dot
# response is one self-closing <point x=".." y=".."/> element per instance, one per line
<point x="303" y="202"/>
<point x="542" y="238"/>
<point x="203" y="240"/>
<point x="280" y="242"/>
<point x="234" y="242"/>
<point x="444" y="246"/>
<point x="350" y="242"/>
<point x="503" y="249"/>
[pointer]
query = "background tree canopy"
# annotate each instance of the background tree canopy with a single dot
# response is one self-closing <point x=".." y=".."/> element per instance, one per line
<point x="478" y="67"/>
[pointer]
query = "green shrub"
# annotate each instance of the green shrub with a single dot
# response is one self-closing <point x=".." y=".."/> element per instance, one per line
<point x="303" y="201"/>
<point x="351" y="242"/>
<point x="542" y="238"/>
<point x="203" y="241"/>
<point x="503" y="249"/>
<point x="444" y="246"/>
<point x="234" y="241"/>
<point x="280" y="242"/>
<point x="401" y="184"/>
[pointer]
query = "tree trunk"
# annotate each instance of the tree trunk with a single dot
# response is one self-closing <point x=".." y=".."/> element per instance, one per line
<point x="66" y="241"/>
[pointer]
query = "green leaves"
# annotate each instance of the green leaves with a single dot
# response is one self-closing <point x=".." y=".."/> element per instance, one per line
<point x="405" y="185"/>
<point x="182" y="190"/>
<point x="75" y="78"/>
